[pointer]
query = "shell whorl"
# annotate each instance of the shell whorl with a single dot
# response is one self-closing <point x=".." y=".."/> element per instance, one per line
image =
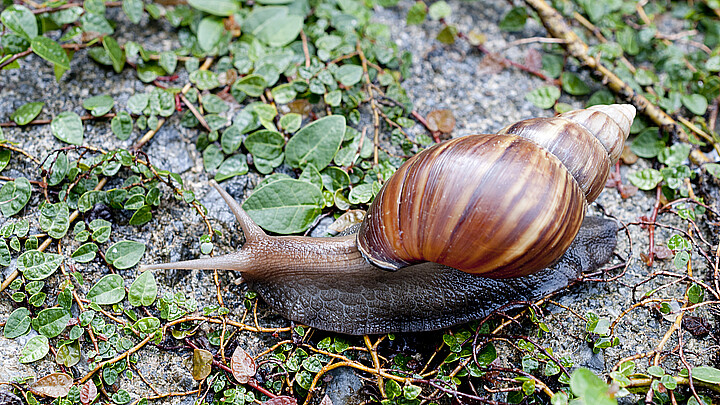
<point x="579" y="138"/>
<point x="503" y="205"/>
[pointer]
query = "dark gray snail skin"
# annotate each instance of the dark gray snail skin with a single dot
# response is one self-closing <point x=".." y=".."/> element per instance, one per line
<point x="327" y="284"/>
<point x="427" y="296"/>
<point x="500" y="207"/>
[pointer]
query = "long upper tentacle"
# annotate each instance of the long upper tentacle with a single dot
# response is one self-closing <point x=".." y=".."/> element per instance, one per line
<point x="251" y="230"/>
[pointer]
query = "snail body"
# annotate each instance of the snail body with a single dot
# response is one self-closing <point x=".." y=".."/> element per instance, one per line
<point x="467" y="226"/>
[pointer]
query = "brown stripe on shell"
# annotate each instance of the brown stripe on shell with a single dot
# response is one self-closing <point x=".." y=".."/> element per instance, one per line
<point x="604" y="127"/>
<point x="577" y="148"/>
<point x="506" y="222"/>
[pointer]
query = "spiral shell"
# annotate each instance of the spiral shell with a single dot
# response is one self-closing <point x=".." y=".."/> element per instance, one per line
<point x="503" y="205"/>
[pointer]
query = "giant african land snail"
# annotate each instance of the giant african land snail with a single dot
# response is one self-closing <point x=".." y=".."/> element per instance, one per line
<point x="503" y="206"/>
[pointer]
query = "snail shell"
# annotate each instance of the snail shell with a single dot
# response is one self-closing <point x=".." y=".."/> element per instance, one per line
<point x="503" y="205"/>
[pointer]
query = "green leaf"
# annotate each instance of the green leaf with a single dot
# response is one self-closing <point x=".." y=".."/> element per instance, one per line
<point x="235" y="165"/>
<point x="116" y="54"/>
<point x="600" y="97"/>
<point x="101" y="230"/>
<point x="696" y="294"/>
<point x="349" y="74"/>
<point x="68" y="354"/>
<point x="214" y="104"/>
<point x="708" y="374"/>
<point x="448" y="34"/>
<point x="284" y="93"/>
<point x="85" y="253"/>
<point x="5" y="258"/>
<point x="647" y="144"/>
<point x="334" y="178"/>
<point x="713" y="64"/>
<point x="68" y="127"/>
<point x="92" y="22"/>
<point x="514" y="20"/>
<point x="137" y="102"/>
<point x="252" y="85"/>
<point x="125" y="254"/>
<point x="122" y="125"/>
<point x="285" y="206"/>
<point x="590" y="388"/>
<point x="572" y="84"/>
<point x="231" y="139"/>
<point x="204" y="79"/>
<point x="108" y="290"/>
<point x="209" y="32"/>
<point x="543" y="97"/>
<point x="17" y="324"/>
<point x="99" y="105"/>
<point x="645" y="179"/>
<point x="20" y="20"/>
<point x="265" y="144"/>
<point x="37" y="265"/>
<point x="411" y="392"/>
<point x="696" y="103"/>
<point x="713" y="169"/>
<point x="675" y="154"/>
<point x="417" y="13"/>
<point x="361" y="194"/>
<point x="282" y="30"/>
<point x="51" y="51"/>
<point x="147" y="325"/>
<point x="141" y="216"/>
<point x="311" y="175"/>
<point x="143" y="290"/>
<point x="439" y="9"/>
<point x="316" y="143"/>
<point x="35" y="349"/>
<point x="26" y="113"/>
<point x="14" y="195"/>
<point x="51" y="322"/>
<point x="168" y="61"/>
<point x="4" y="158"/>
<point x="133" y="9"/>
<point x="222" y="8"/>
<point x="55" y="219"/>
<point x="291" y="122"/>
<point x="212" y="157"/>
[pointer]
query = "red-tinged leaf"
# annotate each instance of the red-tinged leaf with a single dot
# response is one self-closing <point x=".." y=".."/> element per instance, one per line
<point x="533" y="59"/>
<point x="55" y="385"/>
<point x="243" y="367"/>
<point x="441" y="120"/>
<point x="282" y="400"/>
<point x="202" y="364"/>
<point x="88" y="392"/>
<point x="326" y="400"/>
<point x="628" y="191"/>
<point x="662" y="252"/>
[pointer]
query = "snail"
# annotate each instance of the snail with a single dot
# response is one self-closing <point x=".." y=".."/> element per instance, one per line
<point x="461" y="229"/>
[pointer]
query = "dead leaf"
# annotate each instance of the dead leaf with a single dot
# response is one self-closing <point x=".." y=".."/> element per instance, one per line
<point x="326" y="400"/>
<point x="202" y="364"/>
<point x="533" y="59"/>
<point x="55" y="385"/>
<point x="476" y="37"/>
<point x="662" y="252"/>
<point x="300" y="106"/>
<point x="441" y="120"/>
<point x="282" y="400"/>
<point x="242" y="365"/>
<point x="627" y="156"/>
<point x="88" y="392"/>
<point x="346" y="220"/>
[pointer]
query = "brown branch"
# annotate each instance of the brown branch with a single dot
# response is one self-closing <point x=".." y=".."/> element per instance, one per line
<point x="559" y="28"/>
